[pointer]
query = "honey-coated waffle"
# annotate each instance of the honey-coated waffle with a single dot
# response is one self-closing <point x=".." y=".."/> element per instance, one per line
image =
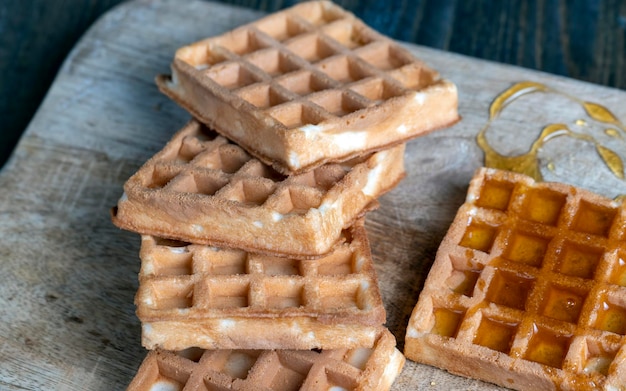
<point x="372" y="368"/>
<point x="203" y="189"/>
<point x="528" y="288"/>
<point x="199" y="296"/>
<point x="309" y="85"/>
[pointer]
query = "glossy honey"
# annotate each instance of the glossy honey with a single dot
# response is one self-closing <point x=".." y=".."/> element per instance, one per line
<point x="547" y="347"/>
<point x="528" y="163"/>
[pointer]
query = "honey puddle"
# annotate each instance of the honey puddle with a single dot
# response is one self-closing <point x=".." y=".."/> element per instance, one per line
<point x="528" y="163"/>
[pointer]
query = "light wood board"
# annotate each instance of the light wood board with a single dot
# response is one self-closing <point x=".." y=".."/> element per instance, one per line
<point x="68" y="276"/>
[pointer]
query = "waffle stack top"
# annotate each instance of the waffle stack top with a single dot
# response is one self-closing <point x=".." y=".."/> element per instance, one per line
<point x="251" y="216"/>
<point x="309" y="85"/>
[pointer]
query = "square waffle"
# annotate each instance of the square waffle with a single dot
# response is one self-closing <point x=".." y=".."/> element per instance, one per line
<point x="309" y="85"/>
<point x="199" y="296"/>
<point x="372" y="368"/>
<point x="528" y="288"/>
<point x="203" y="189"/>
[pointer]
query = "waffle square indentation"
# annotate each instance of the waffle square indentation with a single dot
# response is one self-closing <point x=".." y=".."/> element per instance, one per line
<point x="337" y="103"/>
<point x="232" y="75"/>
<point x="594" y="219"/>
<point x="358" y="357"/>
<point x="479" y="236"/>
<point x="495" y="195"/>
<point x="496" y="334"/>
<point x="171" y="295"/>
<point x="262" y="96"/>
<point x="198" y="183"/>
<point x="281" y="27"/>
<point x="447" y="321"/>
<point x="318" y="16"/>
<point x="385" y="56"/>
<point x="287" y="378"/>
<point x="221" y="263"/>
<point x="273" y="62"/>
<point x="578" y="260"/>
<point x="189" y="149"/>
<point x="161" y="176"/>
<point x="347" y="34"/>
<point x="250" y="192"/>
<point x="295" y="114"/>
<point x="279" y="266"/>
<point x="322" y="178"/>
<point x="226" y="158"/>
<point x="509" y="289"/>
<point x="463" y="276"/>
<point x="563" y="303"/>
<point x="344" y="69"/>
<point x="311" y="47"/>
<point x="176" y="261"/>
<point x="283" y="293"/>
<point x="543" y="206"/>
<point x="611" y="316"/>
<point x="297" y="200"/>
<point x="336" y="380"/>
<point x="526" y="248"/>
<point x="225" y="293"/>
<point x="239" y="362"/>
<point x="303" y="83"/>
<point x="170" y="374"/>
<point x="547" y="347"/>
<point x="347" y="294"/>
<point x="341" y="262"/>
<point x="376" y="90"/>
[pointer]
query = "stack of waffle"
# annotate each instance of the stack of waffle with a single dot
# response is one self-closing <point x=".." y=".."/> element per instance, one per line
<point x="256" y="271"/>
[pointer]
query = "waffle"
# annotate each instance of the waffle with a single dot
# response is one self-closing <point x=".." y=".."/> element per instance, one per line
<point x="203" y="189"/>
<point x="362" y="369"/>
<point x="200" y="296"/>
<point x="528" y="288"/>
<point x="309" y="85"/>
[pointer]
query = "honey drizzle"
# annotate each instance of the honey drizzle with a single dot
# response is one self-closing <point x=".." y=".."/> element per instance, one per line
<point x="528" y="163"/>
<point x="612" y="133"/>
<point x="513" y="93"/>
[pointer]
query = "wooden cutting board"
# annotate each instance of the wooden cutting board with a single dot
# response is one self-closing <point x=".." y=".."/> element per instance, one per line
<point x="68" y="276"/>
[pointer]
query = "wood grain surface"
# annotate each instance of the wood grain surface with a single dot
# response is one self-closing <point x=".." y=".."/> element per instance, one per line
<point x="68" y="276"/>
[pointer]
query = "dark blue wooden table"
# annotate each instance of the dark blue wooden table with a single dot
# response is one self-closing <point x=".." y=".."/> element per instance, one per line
<point x="582" y="39"/>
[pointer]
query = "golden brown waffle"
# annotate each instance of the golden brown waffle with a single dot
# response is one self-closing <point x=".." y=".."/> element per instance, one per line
<point x="199" y="296"/>
<point x="203" y="189"/>
<point x="528" y="289"/>
<point x="309" y="85"/>
<point x="373" y="368"/>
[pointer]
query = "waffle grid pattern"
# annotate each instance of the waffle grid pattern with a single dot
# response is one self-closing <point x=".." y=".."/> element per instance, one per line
<point x="304" y="67"/>
<point x="285" y="370"/>
<point x="314" y="83"/>
<point x="179" y="280"/>
<point x="208" y="166"/>
<point x="535" y="272"/>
